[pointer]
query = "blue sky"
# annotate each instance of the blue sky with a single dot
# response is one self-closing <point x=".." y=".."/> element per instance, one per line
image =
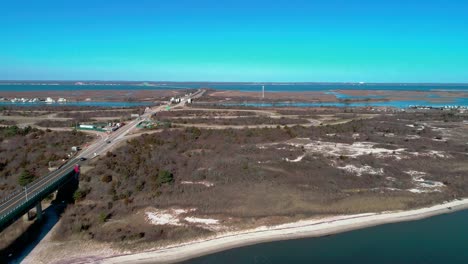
<point x="255" y="40"/>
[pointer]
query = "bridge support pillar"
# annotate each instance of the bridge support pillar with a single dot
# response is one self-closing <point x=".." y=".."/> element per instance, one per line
<point x="26" y="217"/>
<point x="39" y="210"/>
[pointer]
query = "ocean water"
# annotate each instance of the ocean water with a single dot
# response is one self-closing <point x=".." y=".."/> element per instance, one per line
<point x="396" y="103"/>
<point x="301" y="87"/>
<point x="336" y="86"/>
<point x="327" y="88"/>
<point x="440" y="239"/>
<point x="76" y="88"/>
<point x="81" y="103"/>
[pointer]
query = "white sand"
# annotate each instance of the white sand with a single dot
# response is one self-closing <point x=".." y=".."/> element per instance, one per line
<point x="413" y="137"/>
<point x="206" y="221"/>
<point x="361" y="170"/>
<point x="298" y="159"/>
<point x="175" y="217"/>
<point x="307" y="228"/>
<point x="353" y="150"/>
<point x="163" y="218"/>
<point x="204" y="183"/>
<point x="166" y="216"/>
<point x="357" y="149"/>
<point x="423" y="185"/>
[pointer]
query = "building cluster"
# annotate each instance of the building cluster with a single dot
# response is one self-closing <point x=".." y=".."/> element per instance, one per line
<point x="113" y="126"/>
<point x="105" y="127"/>
<point x="461" y="109"/>
<point x="47" y="100"/>
<point x="385" y="109"/>
<point x="413" y="108"/>
<point x="177" y="100"/>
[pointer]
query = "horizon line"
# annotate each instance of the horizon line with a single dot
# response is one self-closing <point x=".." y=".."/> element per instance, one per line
<point x="231" y="82"/>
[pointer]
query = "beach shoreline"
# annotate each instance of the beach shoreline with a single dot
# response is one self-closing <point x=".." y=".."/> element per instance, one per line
<point x="297" y="230"/>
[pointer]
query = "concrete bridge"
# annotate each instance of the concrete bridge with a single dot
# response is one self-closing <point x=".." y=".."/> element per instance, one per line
<point x="18" y="204"/>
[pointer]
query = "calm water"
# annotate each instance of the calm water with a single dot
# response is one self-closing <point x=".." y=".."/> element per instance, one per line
<point x="441" y="239"/>
<point x="77" y="88"/>
<point x="397" y="104"/>
<point x="81" y="103"/>
<point x="328" y="88"/>
<point x="242" y="87"/>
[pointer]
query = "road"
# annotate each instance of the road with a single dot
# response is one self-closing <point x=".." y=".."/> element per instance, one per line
<point x="102" y="146"/>
<point x="99" y="147"/>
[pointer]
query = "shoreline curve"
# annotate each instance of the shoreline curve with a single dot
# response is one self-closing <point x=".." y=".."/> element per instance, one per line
<point x="290" y="231"/>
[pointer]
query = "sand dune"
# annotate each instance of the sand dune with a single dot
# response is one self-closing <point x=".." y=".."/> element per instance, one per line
<point x="301" y="229"/>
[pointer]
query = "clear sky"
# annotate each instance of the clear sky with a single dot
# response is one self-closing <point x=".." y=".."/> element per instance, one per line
<point x="241" y="40"/>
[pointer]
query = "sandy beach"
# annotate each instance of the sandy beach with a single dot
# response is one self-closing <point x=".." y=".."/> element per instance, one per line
<point x="301" y="229"/>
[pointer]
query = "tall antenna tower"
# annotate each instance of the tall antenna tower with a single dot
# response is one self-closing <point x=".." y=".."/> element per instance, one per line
<point x="263" y="91"/>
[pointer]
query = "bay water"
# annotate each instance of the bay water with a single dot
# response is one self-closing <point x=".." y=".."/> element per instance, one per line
<point x="440" y="239"/>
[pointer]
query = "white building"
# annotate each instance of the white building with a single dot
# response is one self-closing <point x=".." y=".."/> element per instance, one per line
<point x="87" y="126"/>
<point x="49" y="100"/>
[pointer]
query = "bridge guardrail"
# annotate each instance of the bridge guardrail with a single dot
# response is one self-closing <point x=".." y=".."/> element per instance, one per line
<point x="26" y="205"/>
<point x="29" y="185"/>
<point x="9" y="197"/>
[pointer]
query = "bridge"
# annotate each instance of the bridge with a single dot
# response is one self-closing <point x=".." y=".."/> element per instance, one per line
<point x="19" y="203"/>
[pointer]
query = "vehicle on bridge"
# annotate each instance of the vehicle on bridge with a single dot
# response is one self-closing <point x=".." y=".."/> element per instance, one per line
<point x="77" y="168"/>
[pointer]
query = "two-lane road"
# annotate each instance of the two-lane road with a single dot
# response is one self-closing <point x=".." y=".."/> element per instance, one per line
<point x="99" y="147"/>
<point x="34" y="188"/>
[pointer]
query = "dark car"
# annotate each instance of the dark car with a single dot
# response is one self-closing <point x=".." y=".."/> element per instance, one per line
<point x="108" y="141"/>
<point x="82" y="159"/>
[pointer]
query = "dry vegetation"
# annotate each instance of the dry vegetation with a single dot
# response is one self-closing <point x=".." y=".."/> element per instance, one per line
<point x="202" y="113"/>
<point x="93" y="114"/>
<point x="30" y="150"/>
<point x="63" y="123"/>
<point x="62" y="116"/>
<point x="7" y="122"/>
<point x="25" y="113"/>
<point x="238" y="121"/>
<point x="249" y="177"/>
<point x="44" y="109"/>
<point x="79" y="117"/>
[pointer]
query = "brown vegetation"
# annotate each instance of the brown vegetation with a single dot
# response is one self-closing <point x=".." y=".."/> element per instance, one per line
<point x="30" y="150"/>
<point x="240" y="121"/>
<point x="7" y="122"/>
<point x="93" y="114"/>
<point x="198" y="113"/>
<point x="62" y="123"/>
<point x="254" y="179"/>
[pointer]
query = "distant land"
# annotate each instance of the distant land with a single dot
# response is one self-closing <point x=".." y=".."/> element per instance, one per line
<point x="158" y="83"/>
